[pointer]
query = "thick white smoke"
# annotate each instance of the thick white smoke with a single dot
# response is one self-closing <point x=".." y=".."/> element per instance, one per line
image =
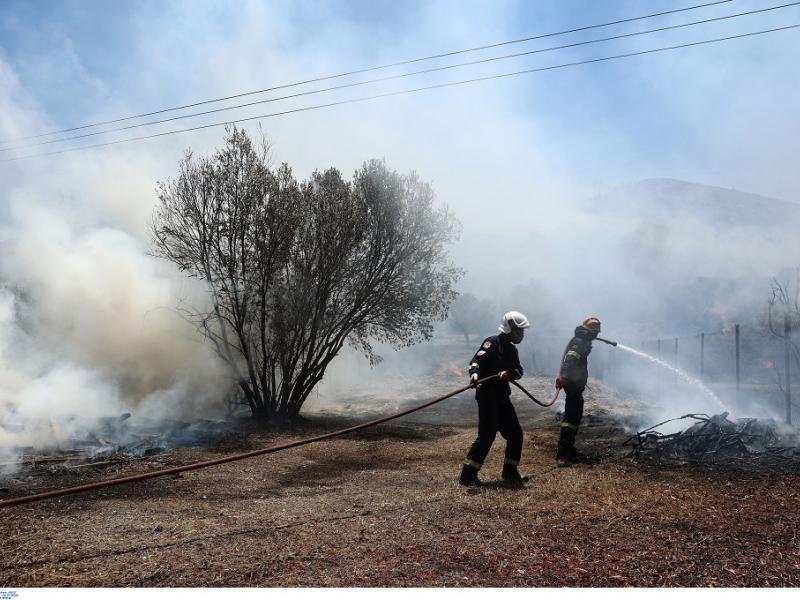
<point x="89" y="330"/>
<point x="88" y="326"/>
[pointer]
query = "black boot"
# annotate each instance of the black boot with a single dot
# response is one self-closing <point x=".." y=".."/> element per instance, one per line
<point x="511" y="473"/>
<point x="566" y="442"/>
<point x="570" y="454"/>
<point x="565" y="452"/>
<point x="469" y="476"/>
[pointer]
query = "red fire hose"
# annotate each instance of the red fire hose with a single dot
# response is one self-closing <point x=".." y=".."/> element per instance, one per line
<point x="539" y="402"/>
<point x="208" y="463"/>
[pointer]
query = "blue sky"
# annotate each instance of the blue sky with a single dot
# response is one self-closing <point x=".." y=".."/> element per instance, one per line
<point x="84" y="60"/>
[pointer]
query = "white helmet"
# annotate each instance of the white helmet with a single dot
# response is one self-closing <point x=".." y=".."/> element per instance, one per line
<point x="513" y="320"/>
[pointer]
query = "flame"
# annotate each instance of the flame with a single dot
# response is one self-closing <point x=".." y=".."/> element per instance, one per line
<point x="458" y="372"/>
<point x="451" y="369"/>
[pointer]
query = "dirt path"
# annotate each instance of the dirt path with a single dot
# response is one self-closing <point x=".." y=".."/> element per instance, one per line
<point x="383" y="509"/>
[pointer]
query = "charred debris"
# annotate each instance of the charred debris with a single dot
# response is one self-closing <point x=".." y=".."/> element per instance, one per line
<point x="753" y="445"/>
<point x="116" y="439"/>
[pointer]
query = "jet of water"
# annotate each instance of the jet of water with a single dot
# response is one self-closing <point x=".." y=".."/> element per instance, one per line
<point x="682" y="374"/>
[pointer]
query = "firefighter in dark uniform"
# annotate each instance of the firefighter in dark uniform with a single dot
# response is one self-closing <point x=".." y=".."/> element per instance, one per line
<point x="497" y="355"/>
<point x="572" y="378"/>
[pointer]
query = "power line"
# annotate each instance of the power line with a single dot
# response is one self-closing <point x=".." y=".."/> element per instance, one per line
<point x="413" y="90"/>
<point x="400" y="76"/>
<point x="371" y="69"/>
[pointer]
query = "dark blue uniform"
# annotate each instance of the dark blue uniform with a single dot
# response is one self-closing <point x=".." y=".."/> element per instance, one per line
<point x="495" y="411"/>
<point x="574" y="373"/>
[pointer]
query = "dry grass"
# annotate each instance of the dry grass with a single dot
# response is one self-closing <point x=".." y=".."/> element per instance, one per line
<point x="383" y="509"/>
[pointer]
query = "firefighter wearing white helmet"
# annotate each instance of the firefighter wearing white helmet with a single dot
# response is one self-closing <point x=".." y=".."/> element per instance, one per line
<point x="514" y="321"/>
<point x="497" y="355"/>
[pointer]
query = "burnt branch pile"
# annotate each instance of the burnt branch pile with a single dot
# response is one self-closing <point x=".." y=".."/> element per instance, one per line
<point x="716" y="441"/>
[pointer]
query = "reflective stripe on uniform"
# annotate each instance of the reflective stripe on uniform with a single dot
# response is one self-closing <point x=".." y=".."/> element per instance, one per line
<point x="568" y="425"/>
<point x="510" y="461"/>
<point x="574" y="354"/>
<point x="472" y="463"/>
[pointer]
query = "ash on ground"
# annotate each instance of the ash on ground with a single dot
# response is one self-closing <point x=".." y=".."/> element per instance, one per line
<point x="715" y="441"/>
<point x="114" y="439"/>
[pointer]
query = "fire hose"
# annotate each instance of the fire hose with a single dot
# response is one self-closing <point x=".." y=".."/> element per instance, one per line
<point x="209" y="463"/>
<point x="539" y="402"/>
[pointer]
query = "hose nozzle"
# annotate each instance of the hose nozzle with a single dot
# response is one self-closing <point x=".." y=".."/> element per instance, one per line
<point x="609" y="342"/>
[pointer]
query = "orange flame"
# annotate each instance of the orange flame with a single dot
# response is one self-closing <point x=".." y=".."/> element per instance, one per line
<point x="454" y="370"/>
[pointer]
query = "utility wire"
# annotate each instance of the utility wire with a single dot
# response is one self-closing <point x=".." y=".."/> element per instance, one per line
<point x="372" y="69"/>
<point x="412" y="90"/>
<point x="400" y="76"/>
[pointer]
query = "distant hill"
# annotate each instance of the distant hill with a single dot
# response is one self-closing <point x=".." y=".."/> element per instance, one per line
<point x="686" y="253"/>
<point x="676" y="231"/>
<point x="660" y="254"/>
<point x="669" y="200"/>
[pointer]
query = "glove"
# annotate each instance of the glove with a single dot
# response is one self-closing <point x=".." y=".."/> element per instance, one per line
<point x="504" y="376"/>
<point x="559" y="383"/>
<point x="473" y="379"/>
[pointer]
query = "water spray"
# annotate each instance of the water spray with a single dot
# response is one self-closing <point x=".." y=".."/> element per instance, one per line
<point x="682" y="374"/>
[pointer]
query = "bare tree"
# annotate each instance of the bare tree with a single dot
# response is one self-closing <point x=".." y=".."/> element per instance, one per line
<point x="784" y="306"/>
<point x="296" y="270"/>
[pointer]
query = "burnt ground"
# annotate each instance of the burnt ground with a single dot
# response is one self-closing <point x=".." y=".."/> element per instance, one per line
<point x="382" y="508"/>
